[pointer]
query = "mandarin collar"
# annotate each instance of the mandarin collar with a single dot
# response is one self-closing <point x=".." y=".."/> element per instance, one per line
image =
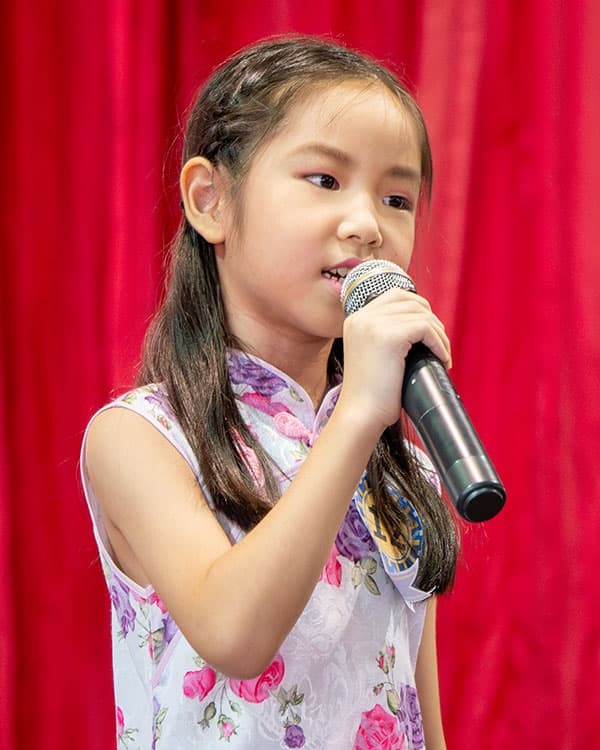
<point x="264" y="387"/>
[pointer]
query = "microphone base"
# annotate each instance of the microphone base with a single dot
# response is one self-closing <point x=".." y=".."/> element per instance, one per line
<point x="474" y="487"/>
<point x="480" y="502"/>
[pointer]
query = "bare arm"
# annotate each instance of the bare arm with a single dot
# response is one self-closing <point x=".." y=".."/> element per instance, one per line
<point x="236" y="604"/>
<point x="426" y="676"/>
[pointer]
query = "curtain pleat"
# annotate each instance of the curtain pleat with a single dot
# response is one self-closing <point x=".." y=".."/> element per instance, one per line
<point x="94" y="97"/>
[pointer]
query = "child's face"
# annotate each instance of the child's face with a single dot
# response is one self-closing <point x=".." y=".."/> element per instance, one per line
<point x="338" y="184"/>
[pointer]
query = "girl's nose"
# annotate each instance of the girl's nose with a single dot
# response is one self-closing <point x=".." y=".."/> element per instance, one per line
<point x="360" y="224"/>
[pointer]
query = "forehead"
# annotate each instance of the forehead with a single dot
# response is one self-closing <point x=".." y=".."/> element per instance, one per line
<point x="354" y="115"/>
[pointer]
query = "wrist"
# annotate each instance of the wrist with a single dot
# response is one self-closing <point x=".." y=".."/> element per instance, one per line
<point x="357" y="420"/>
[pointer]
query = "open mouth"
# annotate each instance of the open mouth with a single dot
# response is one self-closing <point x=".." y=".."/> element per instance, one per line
<point x="336" y="274"/>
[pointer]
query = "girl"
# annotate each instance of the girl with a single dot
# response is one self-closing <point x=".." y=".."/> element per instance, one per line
<point x="245" y="500"/>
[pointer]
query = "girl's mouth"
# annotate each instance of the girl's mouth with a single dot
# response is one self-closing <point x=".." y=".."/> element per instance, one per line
<point x="335" y="278"/>
<point x="335" y="274"/>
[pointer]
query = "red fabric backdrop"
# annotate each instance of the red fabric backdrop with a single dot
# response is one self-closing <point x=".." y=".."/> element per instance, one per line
<point x="93" y="96"/>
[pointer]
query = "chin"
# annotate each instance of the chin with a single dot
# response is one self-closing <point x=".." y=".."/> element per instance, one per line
<point x="331" y="332"/>
<point x="324" y="324"/>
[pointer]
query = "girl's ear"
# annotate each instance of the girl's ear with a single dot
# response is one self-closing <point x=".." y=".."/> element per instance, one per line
<point x="202" y="191"/>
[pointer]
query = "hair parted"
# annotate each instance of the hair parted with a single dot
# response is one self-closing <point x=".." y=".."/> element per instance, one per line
<point x="237" y="111"/>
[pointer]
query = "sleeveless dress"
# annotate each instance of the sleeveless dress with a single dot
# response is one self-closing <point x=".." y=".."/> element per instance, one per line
<point x="343" y="678"/>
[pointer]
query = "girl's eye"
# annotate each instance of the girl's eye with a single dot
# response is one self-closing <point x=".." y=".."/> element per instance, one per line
<point x="398" y="201"/>
<point x="323" y="180"/>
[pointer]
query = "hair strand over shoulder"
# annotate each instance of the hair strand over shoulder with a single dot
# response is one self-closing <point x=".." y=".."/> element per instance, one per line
<point x="243" y="104"/>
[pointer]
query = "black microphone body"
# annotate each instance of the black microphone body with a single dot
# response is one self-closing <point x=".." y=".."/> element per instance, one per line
<point x="433" y="405"/>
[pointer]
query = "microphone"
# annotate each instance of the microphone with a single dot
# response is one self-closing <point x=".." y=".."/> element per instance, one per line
<point x="433" y="405"/>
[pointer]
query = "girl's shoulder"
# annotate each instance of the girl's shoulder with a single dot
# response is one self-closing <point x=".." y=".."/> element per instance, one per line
<point x="152" y="402"/>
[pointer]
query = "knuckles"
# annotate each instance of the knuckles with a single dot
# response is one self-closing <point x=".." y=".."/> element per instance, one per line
<point x="394" y="311"/>
<point x="395" y="324"/>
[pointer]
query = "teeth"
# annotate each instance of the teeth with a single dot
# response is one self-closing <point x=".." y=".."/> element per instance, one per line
<point x="333" y="272"/>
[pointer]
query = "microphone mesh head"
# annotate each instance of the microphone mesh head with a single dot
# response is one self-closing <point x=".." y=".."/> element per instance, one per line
<point x="370" y="279"/>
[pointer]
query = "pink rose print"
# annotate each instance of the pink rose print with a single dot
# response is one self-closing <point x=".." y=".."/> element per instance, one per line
<point x="264" y="404"/>
<point x="332" y="572"/>
<point x="290" y="426"/>
<point x="120" y="722"/>
<point x="250" y="460"/>
<point x="137" y="597"/>
<point x="227" y="729"/>
<point x="258" y="689"/>
<point x="119" y="594"/>
<point x="378" y="730"/>
<point x="155" y="599"/>
<point x="198" y="684"/>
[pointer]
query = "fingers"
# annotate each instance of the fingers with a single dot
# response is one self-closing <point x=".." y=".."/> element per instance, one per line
<point x="377" y="339"/>
<point x="404" y="318"/>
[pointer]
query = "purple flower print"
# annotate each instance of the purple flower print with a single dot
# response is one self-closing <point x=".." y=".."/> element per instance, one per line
<point x="294" y="736"/>
<point x="119" y="596"/>
<point x="245" y="371"/>
<point x="331" y="406"/>
<point x="161" y="402"/>
<point x="354" y="540"/>
<point x="409" y="715"/>
<point x="170" y="628"/>
<point x="161" y="636"/>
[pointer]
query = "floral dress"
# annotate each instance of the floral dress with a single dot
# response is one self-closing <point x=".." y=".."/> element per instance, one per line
<point x="344" y="676"/>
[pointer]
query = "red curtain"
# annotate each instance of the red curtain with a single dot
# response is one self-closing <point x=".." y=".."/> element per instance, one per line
<point x="93" y="99"/>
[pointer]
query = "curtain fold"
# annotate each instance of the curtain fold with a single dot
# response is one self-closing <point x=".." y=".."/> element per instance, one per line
<point x="94" y="99"/>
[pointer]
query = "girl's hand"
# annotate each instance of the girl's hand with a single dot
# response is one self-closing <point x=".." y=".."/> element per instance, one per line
<point x="377" y="339"/>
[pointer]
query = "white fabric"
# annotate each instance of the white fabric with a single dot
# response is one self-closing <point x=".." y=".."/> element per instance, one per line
<point x="344" y="677"/>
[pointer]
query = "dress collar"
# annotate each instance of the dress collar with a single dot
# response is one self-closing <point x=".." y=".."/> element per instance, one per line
<point x="262" y="386"/>
<point x="280" y="413"/>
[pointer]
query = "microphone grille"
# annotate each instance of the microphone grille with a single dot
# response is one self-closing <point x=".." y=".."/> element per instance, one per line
<point x="370" y="279"/>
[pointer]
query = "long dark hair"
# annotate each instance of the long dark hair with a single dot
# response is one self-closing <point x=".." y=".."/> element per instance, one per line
<point x="240" y="107"/>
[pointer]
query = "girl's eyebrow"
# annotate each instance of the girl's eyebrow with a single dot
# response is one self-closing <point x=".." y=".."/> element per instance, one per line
<point x="322" y="149"/>
<point x="316" y="148"/>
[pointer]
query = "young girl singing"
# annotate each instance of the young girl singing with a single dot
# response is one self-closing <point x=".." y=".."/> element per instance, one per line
<point x="246" y="496"/>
